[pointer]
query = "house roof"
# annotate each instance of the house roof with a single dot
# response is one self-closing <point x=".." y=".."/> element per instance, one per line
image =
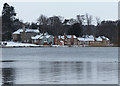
<point x="92" y="38"/>
<point x="70" y="36"/>
<point x="86" y="39"/>
<point x="32" y="30"/>
<point x="62" y="41"/>
<point x="89" y="39"/>
<point x="105" y="38"/>
<point x="67" y="36"/>
<point x="62" y="37"/>
<point x="36" y="37"/>
<point x="81" y="39"/>
<point x="47" y="36"/>
<point x="98" y="39"/>
<point x="88" y="36"/>
<point x="27" y="30"/>
<point x="18" y="31"/>
<point x="41" y="36"/>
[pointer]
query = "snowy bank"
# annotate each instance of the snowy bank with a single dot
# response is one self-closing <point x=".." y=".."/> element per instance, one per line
<point x="18" y="44"/>
<point x="12" y="44"/>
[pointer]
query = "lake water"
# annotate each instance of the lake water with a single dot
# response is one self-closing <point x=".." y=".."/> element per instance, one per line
<point x="82" y="65"/>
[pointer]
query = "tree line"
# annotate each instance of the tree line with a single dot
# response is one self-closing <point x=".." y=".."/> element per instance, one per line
<point x="58" y="25"/>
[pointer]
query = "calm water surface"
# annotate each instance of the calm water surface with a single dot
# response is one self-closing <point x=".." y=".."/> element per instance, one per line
<point x="83" y="65"/>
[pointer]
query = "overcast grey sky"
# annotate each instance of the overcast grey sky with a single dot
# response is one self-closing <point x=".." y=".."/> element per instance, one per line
<point x="30" y="11"/>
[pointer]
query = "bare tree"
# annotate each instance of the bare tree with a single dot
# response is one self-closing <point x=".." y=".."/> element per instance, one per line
<point x="55" y="25"/>
<point x="61" y="18"/>
<point x="55" y="20"/>
<point x="72" y="21"/>
<point x="27" y="24"/>
<point x="65" y="21"/>
<point x="89" y="19"/>
<point x="80" y="19"/>
<point x="98" y="20"/>
<point x="42" y="20"/>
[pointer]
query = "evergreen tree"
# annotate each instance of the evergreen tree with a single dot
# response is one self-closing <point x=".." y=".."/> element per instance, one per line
<point x="8" y="17"/>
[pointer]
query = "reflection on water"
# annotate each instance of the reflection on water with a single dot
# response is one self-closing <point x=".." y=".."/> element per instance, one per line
<point x="89" y="65"/>
<point x="44" y="72"/>
<point x="8" y="75"/>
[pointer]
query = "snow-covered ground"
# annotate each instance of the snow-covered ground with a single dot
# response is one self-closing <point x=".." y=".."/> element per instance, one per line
<point x="19" y="44"/>
<point x="11" y="44"/>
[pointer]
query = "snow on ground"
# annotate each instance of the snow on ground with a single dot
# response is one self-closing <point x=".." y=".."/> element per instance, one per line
<point x="11" y="44"/>
<point x="18" y="44"/>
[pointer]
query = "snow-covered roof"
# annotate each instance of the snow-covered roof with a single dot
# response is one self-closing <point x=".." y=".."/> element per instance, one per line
<point x="98" y="39"/>
<point x="81" y="39"/>
<point x="74" y="36"/>
<point x="32" y="30"/>
<point x="36" y="37"/>
<point x="41" y="36"/>
<point x="62" y="41"/>
<point x="70" y="36"/>
<point x="47" y="36"/>
<point x="105" y="38"/>
<point x="62" y="37"/>
<point x="46" y="33"/>
<point x="18" y="31"/>
<point x="45" y="41"/>
<point x="89" y="39"/>
<point x="27" y="30"/>
<point x="90" y="36"/>
<point x="86" y="38"/>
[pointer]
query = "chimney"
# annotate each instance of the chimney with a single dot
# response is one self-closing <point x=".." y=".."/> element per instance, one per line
<point x="64" y="36"/>
<point x="55" y="40"/>
<point x="72" y="38"/>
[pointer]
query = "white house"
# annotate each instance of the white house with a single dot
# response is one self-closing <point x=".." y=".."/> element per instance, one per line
<point x="43" y="39"/>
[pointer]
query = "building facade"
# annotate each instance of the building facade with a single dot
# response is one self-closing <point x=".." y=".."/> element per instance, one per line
<point x="24" y="35"/>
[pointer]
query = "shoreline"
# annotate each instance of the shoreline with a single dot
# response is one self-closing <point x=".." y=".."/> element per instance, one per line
<point x="11" y="44"/>
<point x="56" y="46"/>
